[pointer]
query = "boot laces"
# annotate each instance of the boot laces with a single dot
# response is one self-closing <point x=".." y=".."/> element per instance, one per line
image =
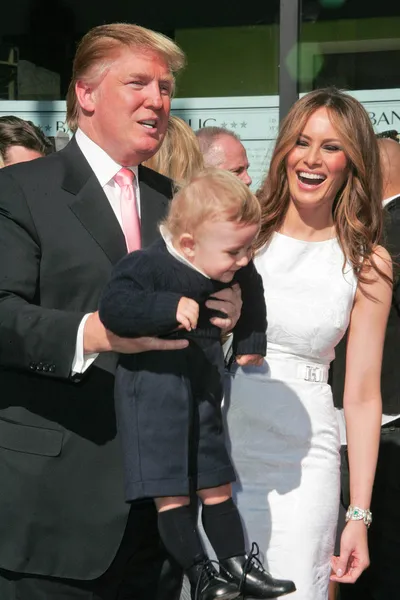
<point x="252" y="561"/>
<point x="206" y="574"/>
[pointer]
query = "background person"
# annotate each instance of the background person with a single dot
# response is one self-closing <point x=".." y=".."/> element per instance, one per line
<point x="380" y="580"/>
<point x="179" y="156"/>
<point x="321" y="221"/>
<point x="21" y="141"/>
<point x="64" y="222"/>
<point x="222" y="148"/>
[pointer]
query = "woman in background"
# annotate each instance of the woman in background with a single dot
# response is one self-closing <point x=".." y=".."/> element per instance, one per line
<point x="179" y="156"/>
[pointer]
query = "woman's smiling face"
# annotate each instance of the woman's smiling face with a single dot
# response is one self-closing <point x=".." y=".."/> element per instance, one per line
<point x="317" y="166"/>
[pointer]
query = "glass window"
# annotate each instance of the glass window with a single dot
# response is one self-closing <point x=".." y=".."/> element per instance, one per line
<point x="231" y="78"/>
<point x="229" y="61"/>
<point x="355" y="46"/>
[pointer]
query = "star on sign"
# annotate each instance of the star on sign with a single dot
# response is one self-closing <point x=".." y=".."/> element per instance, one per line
<point x="233" y="125"/>
<point x="48" y="127"/>
<point x="224" y="125"/>
<point x="243" y="124"/>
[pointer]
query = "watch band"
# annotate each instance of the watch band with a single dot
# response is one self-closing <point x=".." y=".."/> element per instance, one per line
<point x="355" y="513"/>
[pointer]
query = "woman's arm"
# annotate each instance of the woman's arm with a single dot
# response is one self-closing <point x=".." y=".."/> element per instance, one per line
<point x="363" y="408"/>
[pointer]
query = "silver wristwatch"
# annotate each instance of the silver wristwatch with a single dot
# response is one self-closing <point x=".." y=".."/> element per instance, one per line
<point x="354" y="513"/>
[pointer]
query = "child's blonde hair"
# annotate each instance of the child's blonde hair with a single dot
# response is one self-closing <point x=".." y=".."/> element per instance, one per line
<point x="212" y="194"/>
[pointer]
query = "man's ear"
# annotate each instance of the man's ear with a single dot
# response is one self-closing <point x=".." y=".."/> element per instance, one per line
<point x="85" y="95"/>
<point x="187" y="245"/>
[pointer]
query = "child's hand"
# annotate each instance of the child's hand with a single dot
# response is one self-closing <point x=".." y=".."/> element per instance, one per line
<point x="255" y="360"/>
<point x="187" y="313"/>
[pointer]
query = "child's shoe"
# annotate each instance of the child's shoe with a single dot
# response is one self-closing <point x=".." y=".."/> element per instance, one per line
<point x="207" y="584"/>
<point x="252" y="579"/>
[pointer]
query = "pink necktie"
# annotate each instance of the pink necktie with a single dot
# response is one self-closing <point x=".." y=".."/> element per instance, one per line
<point x="129" y="211"/>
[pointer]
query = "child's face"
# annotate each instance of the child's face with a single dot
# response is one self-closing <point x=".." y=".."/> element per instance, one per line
<point x="220" y="248"/>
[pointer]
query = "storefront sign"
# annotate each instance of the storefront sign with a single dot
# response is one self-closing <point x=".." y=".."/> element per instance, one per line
<point x="254" y="119"/>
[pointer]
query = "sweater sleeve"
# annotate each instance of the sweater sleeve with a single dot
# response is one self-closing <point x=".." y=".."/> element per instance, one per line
<point x="249" y="335"/>
<point x="131" y="305"/>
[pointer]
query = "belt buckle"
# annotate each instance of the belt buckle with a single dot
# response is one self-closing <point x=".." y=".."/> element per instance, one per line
<point x="313" y="374"/>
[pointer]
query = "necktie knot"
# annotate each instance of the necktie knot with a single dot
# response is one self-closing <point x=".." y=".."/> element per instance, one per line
<point x="124" y="177"/>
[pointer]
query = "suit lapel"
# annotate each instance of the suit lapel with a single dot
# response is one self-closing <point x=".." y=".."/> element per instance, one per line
<point x="153" y="208"/>
<point x="90" y="204"/>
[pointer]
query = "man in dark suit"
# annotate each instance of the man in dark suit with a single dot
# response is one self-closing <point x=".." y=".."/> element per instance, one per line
<point x="65" y="530"/>
<point x="21" y="141"/>
<point x="381" y="581"/>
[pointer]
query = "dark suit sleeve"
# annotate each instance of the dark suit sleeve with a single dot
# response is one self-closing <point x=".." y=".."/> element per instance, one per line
<point x="392" y="242"/>
<point x="249" y="335"/>
<point x="132" y="306"/>
<point x="32" y="337"/>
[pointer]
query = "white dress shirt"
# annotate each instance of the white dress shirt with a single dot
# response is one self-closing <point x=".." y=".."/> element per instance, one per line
<point x="388" y="200"/>
<point x="105" y="168"/>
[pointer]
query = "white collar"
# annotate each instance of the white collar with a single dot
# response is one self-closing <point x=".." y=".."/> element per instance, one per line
<point x="166" y="236"/>
<point x="386" y="201"/>
<point x="103" y="166"/>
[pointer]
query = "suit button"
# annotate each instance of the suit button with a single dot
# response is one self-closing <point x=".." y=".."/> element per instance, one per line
<point x="52" y="368"/>
<point x="32" y="366"/>
<point x="39" y="367"/>
<point x="45" y="367"/>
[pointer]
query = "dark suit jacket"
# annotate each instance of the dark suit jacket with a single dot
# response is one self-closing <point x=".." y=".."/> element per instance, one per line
<point x="62" y="510"/>
<point x="390" y="379"/>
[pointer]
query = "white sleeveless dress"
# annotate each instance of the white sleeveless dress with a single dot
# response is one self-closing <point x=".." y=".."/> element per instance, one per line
<point x="281" y="424"/>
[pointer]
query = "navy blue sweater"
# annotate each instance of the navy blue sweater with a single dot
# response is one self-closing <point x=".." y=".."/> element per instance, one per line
<point x="142" y="297"/>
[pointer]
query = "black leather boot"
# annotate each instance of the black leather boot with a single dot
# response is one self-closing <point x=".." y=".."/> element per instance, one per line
<point x="253" y="580"/>
<point x="207" y="584"/>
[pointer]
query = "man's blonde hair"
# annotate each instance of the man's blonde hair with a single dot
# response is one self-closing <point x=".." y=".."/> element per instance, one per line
<point x="211" y="195"/>
<point x="97" y="51"/>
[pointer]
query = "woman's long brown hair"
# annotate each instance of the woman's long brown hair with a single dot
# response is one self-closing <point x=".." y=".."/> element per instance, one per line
<point x="357" y="209"/>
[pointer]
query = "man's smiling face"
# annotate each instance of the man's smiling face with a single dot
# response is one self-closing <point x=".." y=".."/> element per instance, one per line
<point x="129" y="108"/>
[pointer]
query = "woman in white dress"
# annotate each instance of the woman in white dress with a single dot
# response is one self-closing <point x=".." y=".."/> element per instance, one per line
<point x="323" y="270"/>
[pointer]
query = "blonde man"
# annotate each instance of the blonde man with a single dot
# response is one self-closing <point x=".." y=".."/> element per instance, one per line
<point x="66" y="530"/>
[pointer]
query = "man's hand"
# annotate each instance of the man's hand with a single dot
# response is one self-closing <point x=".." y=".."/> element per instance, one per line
<point x="96" y="338"/>
<point x="229" y="301"/>
<point x="254" y="360"/>
<point x="187" y="313"/>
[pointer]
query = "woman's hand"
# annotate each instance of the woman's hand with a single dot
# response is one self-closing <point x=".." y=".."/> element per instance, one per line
<point x="354" y="556"/>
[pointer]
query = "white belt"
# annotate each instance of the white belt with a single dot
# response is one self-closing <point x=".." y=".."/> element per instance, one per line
<point x="290" y="369"/>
